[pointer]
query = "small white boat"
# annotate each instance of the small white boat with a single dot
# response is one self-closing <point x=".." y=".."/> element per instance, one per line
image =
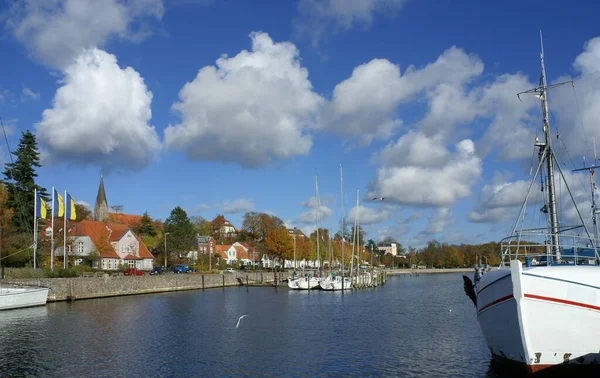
<point x="334" y="282"/>
<point x="293" y="282"/>
<point x="19" y="297"/>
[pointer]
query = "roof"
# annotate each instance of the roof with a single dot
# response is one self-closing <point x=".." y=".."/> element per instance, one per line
<point x="221" y="250"/>
<point x="101" y="197"/>
<point x="99" y="233"/>
<point x="132" y="257"/>
<point x="204" y="239"/>
<point x="102" y="234"/>
<point x="128" y="219"/>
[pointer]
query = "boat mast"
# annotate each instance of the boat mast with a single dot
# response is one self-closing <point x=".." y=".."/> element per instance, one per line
<point x="317" y="218"/>
<point x="552" y="208"/>
<point x="343" y="223"/>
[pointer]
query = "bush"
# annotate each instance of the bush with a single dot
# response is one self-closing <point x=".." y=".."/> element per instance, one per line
<point x="17" y="273"/>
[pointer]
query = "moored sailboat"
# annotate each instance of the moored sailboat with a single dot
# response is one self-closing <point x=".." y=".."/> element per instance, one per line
<point x="541" y="306"/>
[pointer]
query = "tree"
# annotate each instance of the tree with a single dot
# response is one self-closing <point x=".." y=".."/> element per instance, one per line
<point x="82" y="212"/>
<point x="19" y="178"/>
<point x="279" y="244"/>
<point x="182" y="237"/>
<point x="258" y="225"/>
<point x="6" y="215"/>
<point x="389" y="239"/>
<point x="361" y="235"/>
<point x="201" y="225"/>
<point x="347" y="234"/>
<point x="145" y="227"/>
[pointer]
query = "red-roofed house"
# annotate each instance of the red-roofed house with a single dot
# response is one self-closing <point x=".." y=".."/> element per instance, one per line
<point x="115" y="243"/>
<point x="242" y="252"/>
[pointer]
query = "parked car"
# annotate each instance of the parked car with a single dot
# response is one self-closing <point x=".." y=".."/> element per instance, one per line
<point x="133" y="272"/>
<point x="181" y="268"/>
<point x="230" y="270"/>
<point x="157" y="270"/>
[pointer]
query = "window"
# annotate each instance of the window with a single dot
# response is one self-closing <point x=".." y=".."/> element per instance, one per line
<point x="80" y="247"/>
<point x="131" y="263"/>
<point x="49" y="231"/>
<point x="123" y="248"/>
<point x="78" y="261"/>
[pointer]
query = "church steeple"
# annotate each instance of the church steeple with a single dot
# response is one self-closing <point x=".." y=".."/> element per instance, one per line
<point x="101" y="206"/>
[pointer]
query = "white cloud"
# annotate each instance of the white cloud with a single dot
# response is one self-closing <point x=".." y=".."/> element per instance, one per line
<point x="439" y="221"/>
<point x="406" y="179"/>
<point x="250" y="109"/>
<point x="240" y="205"/>
<point x="411" y="218"/>
<point x="28" y="94"/>
<point x="100" y="116"/>
<point x="368" y="215"/>
<point x="366" y="104"/>
<point x="320" y="17"/>
<point x="310" y="217"/>
<point x="56" y="31"/>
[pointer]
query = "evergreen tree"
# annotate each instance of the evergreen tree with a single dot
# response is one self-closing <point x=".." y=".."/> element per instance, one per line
<point x="182" y="237"/>
<point x="19" y="178"/>
<point x="145" y="227"/>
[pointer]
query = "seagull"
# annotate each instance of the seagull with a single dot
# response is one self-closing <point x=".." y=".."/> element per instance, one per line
<point x="239" y="320"/>
<point x="378" y="199"/>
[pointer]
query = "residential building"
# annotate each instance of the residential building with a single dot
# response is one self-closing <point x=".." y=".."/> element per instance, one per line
<point x="223" y="227"/>
<point x="206" y="244"/>
<point x="243" y="253"/>
<point x="388" y="248"/>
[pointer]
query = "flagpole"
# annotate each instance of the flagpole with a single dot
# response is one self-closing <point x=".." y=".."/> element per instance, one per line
<point x="65" y="232"/>
<point x="52" y="237"/>
<point x="35" y="228"/>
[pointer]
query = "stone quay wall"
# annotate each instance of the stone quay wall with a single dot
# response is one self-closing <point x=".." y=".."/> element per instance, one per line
<point x="64" y="289"/>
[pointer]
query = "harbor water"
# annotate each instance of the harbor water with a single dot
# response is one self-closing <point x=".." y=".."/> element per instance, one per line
<point x="409" y="327"/>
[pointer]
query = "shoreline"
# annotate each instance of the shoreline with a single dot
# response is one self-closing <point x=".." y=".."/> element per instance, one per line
<point x="393" y="272"/>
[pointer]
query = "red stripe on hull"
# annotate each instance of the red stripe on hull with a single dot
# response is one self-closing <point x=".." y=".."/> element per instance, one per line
<point x="510" y="296"/>
<point x="532" y="369"/>
<point x="564" y="301"/>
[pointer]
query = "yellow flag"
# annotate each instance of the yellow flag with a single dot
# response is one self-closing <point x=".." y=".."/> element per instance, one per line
<point x="60" y="205"/>
<point x="70" y="211"/>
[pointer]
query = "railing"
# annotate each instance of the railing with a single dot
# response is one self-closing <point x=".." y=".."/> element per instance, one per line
<point x="534" y="246"/>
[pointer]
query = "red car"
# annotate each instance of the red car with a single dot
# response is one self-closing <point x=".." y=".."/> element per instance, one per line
<point x="133" y="272"/>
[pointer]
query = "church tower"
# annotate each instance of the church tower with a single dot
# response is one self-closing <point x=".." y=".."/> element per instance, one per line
<point x="101" y="206"/>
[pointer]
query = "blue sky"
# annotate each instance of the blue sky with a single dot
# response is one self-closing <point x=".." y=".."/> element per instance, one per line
<point x="230" y="106"/>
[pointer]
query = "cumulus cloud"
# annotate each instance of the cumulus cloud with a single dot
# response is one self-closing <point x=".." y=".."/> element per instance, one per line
<point x="27" y="94"/>
<point x="440" y="220"/>
<point x="368" y="215"/>
<point x="56" y="31"/>
<point x="409" y="179"/>
<point x="200" y="208"/>
<point x="500" y="200"/>
<point x="100" y="116"/>
<point x="250" y="109"/>
<point x="366" y="104"/>
<point x="318" y="18"/>
<point x="240" y="205"/>
<point x="311" y="216"/>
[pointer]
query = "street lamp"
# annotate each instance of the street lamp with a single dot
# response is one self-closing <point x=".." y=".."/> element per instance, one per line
<point x="166" y="233"/>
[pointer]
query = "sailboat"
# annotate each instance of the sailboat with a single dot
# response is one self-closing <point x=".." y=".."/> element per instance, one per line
<point x="338" y="281"/>
<point x="309" y="281"/>
<point x="541" y="306"/>
<point x="19" y="297"/>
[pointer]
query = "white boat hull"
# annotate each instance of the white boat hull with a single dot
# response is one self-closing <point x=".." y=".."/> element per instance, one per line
<point x="11" y="298"/>
<point x="541" y="316"/>
<point x="335" y="283"/>
<point x="308" y="283"/>
<point x="293" y="283"/>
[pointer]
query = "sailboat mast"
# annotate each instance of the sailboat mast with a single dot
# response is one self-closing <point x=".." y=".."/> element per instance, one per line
<point x="317" y="218"/>
<point x="552" y="208"/>
<point x="343" y="223"/>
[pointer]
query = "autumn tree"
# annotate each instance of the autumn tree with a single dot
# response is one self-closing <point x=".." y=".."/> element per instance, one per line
<point x="279" y="244"/>
<point x="6" y="215"/>
<point x="258" y="225"/>
<point x="82" y="213"/>
<point x="19" y="178"/>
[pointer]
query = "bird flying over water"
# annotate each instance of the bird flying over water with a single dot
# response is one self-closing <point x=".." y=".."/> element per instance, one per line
<point x="238" y="323"/>
<point x="378" y="199"/>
